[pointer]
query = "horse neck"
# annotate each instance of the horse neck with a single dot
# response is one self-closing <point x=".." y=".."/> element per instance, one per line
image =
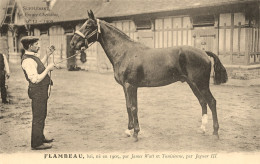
<point x="114" y="42"/>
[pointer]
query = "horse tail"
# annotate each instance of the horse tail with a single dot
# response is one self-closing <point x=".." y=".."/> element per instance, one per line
<point x="220" y="73"/>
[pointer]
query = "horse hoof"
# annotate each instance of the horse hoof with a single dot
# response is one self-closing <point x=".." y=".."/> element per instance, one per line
<point x="203" y="129"/>
<point x="128" y="133"/>
<point x="135" y="136"/>
<point x="216" y="135"/>
<point x="135" y="139"/>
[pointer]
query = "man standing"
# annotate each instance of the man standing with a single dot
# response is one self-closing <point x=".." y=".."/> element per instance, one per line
<point x="37" y="76"/>
<point x="4" y="73"/>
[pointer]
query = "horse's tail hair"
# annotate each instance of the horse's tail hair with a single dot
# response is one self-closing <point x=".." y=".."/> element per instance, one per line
<point x="220" y="73"/>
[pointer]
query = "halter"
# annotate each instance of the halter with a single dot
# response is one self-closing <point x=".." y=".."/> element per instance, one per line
<point x="97" y="31"/>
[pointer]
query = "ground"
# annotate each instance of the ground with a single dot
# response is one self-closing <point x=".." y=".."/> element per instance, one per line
<point x="87" y="113"/>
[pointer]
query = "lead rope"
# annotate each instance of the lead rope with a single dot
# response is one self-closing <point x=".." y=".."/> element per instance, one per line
<point x="49" y="91"/>
<point x="51" y="83"/>
<point x="71" y="56"/>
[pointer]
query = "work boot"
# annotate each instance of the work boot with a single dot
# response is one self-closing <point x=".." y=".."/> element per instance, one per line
<point x="43" y="146"/>
<point x="48" y="140"/>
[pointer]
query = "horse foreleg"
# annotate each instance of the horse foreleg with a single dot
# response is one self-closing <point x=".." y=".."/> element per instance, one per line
<point x="131" y="103"/>
<point x="129" y="112"/>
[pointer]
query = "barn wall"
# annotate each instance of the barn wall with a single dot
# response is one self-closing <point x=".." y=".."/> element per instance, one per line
<point x="173" y="31"/>
<point x="57" y="37"/>
<point x="238" y="38"/>
<point x="232" y="38"/>
<point x="4" y="44"/>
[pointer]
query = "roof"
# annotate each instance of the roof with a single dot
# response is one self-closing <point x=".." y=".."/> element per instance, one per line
<point x="68" y="10"/>
<point x="116" y="8"/>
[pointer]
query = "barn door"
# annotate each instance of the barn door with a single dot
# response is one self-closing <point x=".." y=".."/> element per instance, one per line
<point x="205" y="39"/>
<point x="146" y="37"/>
<point x="205" y="42"/>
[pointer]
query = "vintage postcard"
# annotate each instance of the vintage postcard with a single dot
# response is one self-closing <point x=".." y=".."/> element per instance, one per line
<point x="130" y="81"/>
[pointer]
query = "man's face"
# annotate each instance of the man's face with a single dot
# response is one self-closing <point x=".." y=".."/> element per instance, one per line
<point x="34" y="47"/>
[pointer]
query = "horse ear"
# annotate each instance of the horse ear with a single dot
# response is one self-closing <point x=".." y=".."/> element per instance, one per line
<point x="88" y="14"/>
<point x="91" y="15"/>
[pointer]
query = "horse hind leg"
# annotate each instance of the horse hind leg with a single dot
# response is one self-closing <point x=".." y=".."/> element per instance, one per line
<point x="203" y="103"/>
<point x="212" y="105"/>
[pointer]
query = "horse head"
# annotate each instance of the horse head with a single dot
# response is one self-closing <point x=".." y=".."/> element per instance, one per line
<point x="87" y="34"/>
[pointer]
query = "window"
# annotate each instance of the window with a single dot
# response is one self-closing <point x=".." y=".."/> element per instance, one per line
<point x="143" y="24"/>
<point x="204" y="20"/>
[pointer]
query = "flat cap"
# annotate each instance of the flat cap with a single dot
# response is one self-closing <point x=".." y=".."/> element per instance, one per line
<point x="27" y="39"/>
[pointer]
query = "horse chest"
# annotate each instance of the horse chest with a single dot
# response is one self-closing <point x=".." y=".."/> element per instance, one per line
<point x="118" y="77"/>
<point x="123" y="75"/>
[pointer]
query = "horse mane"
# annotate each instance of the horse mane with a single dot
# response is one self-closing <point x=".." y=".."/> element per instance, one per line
<point x="119" y="31"/>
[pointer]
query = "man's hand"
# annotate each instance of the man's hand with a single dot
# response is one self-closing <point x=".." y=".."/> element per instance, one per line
<point x="51" y="50"/>
<point x="50" y="67"/>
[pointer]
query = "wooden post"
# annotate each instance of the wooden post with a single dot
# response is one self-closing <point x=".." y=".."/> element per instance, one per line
<point x="231" y="36"/>
<point x="162" y="33"/>
<point x="239" y="36"/>
<point x="61" y="51"/>
<point x="248" y="45"/>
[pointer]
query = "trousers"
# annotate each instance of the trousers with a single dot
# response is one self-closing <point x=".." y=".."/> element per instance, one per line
<point x="39" y="96"/>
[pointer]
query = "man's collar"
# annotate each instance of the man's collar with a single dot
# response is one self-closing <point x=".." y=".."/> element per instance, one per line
<point x="29" y="52"/>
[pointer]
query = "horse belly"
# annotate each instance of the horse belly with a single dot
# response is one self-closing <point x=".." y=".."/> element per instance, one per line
<point x="157" y="78"/>
<point x="156" y="84"/>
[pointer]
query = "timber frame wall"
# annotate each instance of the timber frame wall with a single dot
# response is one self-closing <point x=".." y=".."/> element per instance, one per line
<point x="231" y="32"/>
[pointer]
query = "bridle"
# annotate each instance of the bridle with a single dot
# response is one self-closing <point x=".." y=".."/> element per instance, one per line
<point x="86" y="37"/>
<point x="97" y="32"/>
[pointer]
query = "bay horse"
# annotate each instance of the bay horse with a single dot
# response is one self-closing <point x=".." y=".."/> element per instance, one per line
<point x="136" y="65"/>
